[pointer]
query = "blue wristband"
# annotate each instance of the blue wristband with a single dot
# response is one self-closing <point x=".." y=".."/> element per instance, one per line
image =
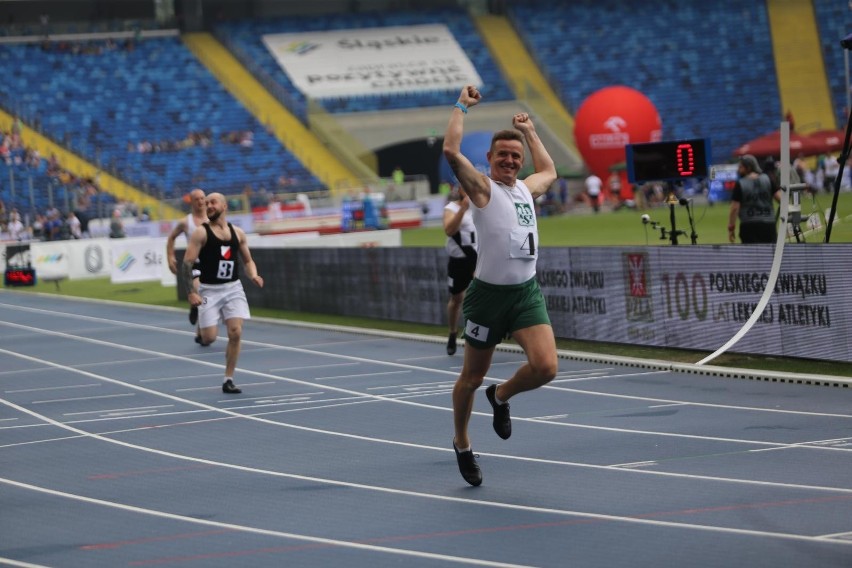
<point x="461" y="107"/>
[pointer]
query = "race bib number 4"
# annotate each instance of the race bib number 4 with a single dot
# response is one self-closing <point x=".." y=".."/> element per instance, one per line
<point x="475" y="331"/>
<point x="522" y="244"/>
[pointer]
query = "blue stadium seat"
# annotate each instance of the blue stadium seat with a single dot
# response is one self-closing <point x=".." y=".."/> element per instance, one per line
<point x="100" y="104"/>
<point x="707" y="67"/>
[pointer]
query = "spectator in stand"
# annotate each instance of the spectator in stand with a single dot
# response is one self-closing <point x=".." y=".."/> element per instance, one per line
<point x="38" y="227"/>
<point x="16" y="228"/>
<point x="53" y="226"/>
<point x="116" y="227"/>
<point x="74" y="228"/>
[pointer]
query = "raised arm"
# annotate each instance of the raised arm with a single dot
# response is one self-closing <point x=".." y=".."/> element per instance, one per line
<point x="453" y="220"/>
<point x="471" y="180"/>
<point x="545" y="170"/>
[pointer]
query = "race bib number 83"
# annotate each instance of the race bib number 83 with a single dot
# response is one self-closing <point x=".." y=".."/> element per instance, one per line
<point x="226" y="270"/>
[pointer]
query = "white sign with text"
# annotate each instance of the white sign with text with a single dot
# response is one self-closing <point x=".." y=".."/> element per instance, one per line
<point x="373" y="61"/>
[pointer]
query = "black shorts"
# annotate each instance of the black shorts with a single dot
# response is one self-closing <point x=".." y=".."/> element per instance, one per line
<point x="460" y="273"/>
<point x="758" y="233"/>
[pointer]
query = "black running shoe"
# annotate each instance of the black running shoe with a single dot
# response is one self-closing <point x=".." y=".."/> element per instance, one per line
<point x="228" y="387"/>
<point x="193" y="315"/>
<point x="468" y="467"/>
<point x="451" y="344"/>
<point x="200" y="341"/>
<point x="502" y="421"/>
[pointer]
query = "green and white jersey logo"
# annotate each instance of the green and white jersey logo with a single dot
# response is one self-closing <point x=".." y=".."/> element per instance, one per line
<point x="526" y="216"/>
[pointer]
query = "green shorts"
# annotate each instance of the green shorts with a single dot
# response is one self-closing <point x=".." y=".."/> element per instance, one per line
<point x="492" y="311"/>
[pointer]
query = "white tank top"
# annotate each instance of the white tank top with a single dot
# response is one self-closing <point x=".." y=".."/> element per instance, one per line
<point x="467" y="230"/>
<point x="508" y="235"/>
<point x="190" y="226"/>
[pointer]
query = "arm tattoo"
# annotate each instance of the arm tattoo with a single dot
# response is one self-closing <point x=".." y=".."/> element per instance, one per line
<point x="186" y="275"/>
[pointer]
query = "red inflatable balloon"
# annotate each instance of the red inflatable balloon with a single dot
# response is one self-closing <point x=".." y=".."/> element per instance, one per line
<point x="608" y="120"/>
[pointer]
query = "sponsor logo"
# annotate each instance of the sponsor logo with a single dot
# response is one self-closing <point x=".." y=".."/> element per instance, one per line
<point x="637" y="288"/>
<point x="93" y="258"/>
<point x="301" y="47"/>
<point x="125" y="261"/>
<point x="49" y="258"/>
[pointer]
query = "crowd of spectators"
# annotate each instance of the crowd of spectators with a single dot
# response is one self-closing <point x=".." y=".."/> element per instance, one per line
<point x="18" y="223"/>
<point x="203" y="139"/>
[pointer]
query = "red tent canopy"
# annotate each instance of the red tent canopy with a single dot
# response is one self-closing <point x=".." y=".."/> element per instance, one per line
<point x="828" y="140"/>
<point x="770" y="145"/>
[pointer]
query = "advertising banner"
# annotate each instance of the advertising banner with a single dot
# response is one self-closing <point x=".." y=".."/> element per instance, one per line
<point x="373" y="61"/>
<point x="137" y="260"/>
<point x="689" y="297"/>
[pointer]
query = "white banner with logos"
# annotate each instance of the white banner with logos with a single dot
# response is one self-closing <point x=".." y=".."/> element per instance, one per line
<point x="373" y="61"/>
<point x="73" y="259"/>
<point x="139" y="260"/>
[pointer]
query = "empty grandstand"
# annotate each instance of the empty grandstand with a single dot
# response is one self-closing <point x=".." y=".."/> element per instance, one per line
<point x="122" y="88"/>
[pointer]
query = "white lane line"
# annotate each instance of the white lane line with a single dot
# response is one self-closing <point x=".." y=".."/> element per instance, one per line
<point x="19" y="564"/>
<point x="278" y="369"/>
<point x="608" y="376"/>
<point x="841" y="536"/>
<point x="7" y="419"/>
<point x="334" y="377"/>
<point x="83" y="398"/>
<point x="501" y="363"/>
<point x="423" y="369"/>
<point x="402" y="386"/>
<point x="346" y="342"/>
<point x="424" y="358"/>
<point x="219" y="387"/>
<point x="117" y="410"/>
<point x="129" y="413"/>
<point x="4" y="374"/>
<point x="262" y="531"/>
<point x="380" y="489"/>
<point x="281" y="397"/>
<point x="180" y="378"/>
<point x="117" y="362"/>
<point x="55" y="388"/>
<point x="422" y="446"/>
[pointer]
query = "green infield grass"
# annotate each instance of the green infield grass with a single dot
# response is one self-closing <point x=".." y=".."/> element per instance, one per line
<point x="625" y="227"/>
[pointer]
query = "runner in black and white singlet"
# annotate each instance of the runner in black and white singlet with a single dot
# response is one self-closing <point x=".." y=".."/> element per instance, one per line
<point x="461" y="247"/>
<point x="504" y="297"/>
<point x="220" y="246"/>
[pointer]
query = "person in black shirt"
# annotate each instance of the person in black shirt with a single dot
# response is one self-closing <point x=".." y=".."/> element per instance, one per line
<point x="752" y="204"/>
<point x="219" y="246"/>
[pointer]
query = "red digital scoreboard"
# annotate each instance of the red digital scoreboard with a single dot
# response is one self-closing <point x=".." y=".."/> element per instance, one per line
<point x="667" y="161"/>
<point x="19" y="277"/>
